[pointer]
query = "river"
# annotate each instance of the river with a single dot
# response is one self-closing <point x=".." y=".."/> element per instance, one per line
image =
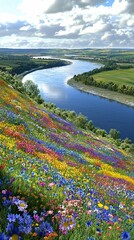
<point x="104" y="113"/>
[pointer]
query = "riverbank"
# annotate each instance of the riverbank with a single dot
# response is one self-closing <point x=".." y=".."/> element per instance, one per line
<point x="104" y="93"/>
<point x="65" y="63"/>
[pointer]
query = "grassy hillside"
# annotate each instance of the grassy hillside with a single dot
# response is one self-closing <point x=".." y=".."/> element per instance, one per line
<point x="120" y="76"/>
<point x="57" y="181"/>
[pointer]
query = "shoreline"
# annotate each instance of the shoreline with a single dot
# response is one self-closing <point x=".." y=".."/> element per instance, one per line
<point x="41" y="68"/>
<point x="104" y="93"/>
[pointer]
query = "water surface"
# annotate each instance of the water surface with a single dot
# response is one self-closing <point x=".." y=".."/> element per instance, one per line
<point x="104" y="113"/>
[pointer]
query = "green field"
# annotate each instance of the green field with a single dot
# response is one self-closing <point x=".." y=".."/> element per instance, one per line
<point x="120" y="77"/>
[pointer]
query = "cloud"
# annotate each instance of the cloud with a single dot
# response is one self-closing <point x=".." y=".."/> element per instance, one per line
<point x="7" y="29"/>
<point x="129" y="6"/>
<point x="69" y="23"/>
<point x="55" y="6"/>
<point x="64" y="5"/>
<point x="123" y="6"/>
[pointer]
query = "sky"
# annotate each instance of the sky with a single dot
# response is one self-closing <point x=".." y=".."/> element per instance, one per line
<point x="66" y="23"/>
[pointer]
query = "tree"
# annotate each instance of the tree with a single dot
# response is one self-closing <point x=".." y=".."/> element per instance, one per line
<point x="31" y="89"/>
<point x="90" y="125"/>
<point x="114" y="134"/>
<point x="131" y="148"/>
<point x="101" y="132"/>
<point x="81" y="121"/>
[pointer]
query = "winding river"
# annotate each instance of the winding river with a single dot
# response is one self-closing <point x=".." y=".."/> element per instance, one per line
<point x="104" y="113"/>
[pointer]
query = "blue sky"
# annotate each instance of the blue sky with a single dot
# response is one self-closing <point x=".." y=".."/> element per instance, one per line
<point x="109" y="2"/>
<point x="9" y="6"/>
<point x="66" y="23"/>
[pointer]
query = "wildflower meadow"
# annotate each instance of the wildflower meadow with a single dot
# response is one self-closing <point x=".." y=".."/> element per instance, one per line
<point x="58" y="181"/>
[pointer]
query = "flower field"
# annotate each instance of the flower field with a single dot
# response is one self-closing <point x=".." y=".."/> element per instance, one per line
<point x="57" y="181"/>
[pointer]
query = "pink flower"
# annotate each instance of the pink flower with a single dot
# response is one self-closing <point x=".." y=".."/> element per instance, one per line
<point x="51" y="184"/>
<point x="89" y="212"/>
<point x="4" y="191"/>
<point x="50" y="212"/>
<point x="42" y="184"/>
<point x="36" y="217"/>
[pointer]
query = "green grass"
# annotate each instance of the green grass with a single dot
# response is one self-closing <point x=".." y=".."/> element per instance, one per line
<point x="120" y="77"/>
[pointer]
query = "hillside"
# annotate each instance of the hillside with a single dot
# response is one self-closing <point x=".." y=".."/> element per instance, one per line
<point x="57" y="181"/>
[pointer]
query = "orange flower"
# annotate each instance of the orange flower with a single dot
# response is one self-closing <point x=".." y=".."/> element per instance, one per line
<point x="51" y="235"/>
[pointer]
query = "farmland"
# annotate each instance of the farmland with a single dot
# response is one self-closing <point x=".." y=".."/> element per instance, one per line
<point x="120" y="76"/>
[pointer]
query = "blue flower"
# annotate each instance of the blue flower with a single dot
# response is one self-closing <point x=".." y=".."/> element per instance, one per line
<point x="3" y="236"/>
<point x="89" y="223"/>
<point x="7" y="203"/>
<point x="125" y="236"/>
<point x="13" y="217"/>
<point x="43" y="229"/>
<point x="11" y="229"/>
<point x="23" y="223"/>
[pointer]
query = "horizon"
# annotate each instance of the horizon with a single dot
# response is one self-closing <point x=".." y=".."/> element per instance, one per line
<point x="62" y="48"/>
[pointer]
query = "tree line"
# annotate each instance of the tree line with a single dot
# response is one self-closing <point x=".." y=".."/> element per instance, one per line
<point x="87" y="79"/>
<point x="81" y="121"/>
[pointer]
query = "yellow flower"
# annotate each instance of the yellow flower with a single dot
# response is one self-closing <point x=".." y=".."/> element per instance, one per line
<point x="14" y="237"/>
<point x="106" y="207"/>
<point x="100" y="205"/>
<point x="34" y="234"/>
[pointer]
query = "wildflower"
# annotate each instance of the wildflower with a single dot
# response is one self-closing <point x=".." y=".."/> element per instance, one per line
<point x="50" y="212"/>
<point x="3" y="236"/>
<point x="42" y="184"/>
<point x="125" y="236"/>
<point x="11" y="229"/>
<point x="106" y="207"/>
<point x="14" y="237"/>
<point x="66" y="224"/>
<point x="89" y="212"/>
<point x="21" y="205"/>
<point x="51" y="235"/>
<point x="36" y="217"/>
<point x="23" y="224"/>
<point x="100" y="205"/>
<point x="13" y="217"/>
<point x="7" y="203"/>
<point x="89" y="223"/>
<point x="51" y="184"/>
<point x="12" y="180"/>
<point x="43" y="229"/>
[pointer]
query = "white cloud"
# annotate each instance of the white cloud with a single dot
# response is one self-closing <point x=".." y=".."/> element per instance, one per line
<point x="25" y="28"/>
<point x="96" y="27"/>
<point x="69" y="23"/>
<point x="35" y="7"/>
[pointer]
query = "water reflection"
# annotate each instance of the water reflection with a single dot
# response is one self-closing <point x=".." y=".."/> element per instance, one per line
<point x="104" y="113"/>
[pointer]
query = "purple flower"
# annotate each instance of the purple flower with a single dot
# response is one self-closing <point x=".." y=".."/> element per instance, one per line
<point x="125" y="236"/>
